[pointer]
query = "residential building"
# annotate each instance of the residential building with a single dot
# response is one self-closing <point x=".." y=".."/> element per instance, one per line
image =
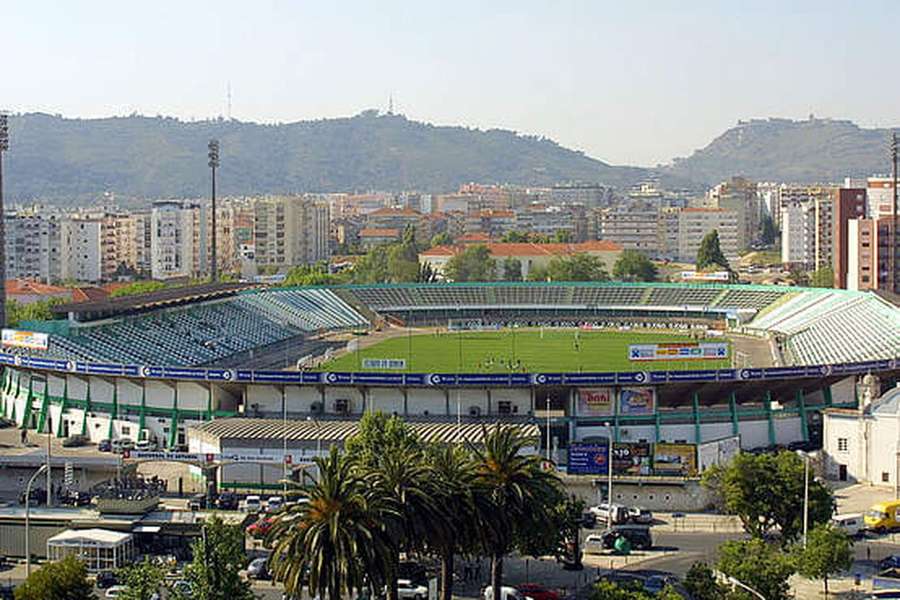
<point x="33" y="244"/>
<point x="880" y="197"/>
<point x="634" y="227"/>
<point x="143" y="240"/>
<point x="849" y="204"/>
<point x="739" y="196"/>
<point x="807" y="226"/>
<point x="175" y="239"/>
<point x="493" y="223"/>
<point x="400" y="219"/>
<point x="290" y="231"/>
<point x="589" y="195"/>
<point x="370" y="237"/>
<point x="695" y="223"/>
<point x="82" y="250"/>
<point x="862" y="252"/>
<point x="551" y="220"/>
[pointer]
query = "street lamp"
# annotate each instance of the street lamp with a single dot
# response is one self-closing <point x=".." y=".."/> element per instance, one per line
<point x="735" y="581"/>
<point x="805" y="456"/>
<point x="609" y="475"/>
<point x="4" y="147"/>
<point x="548" y="427"/>
<point x="318" y="425"/>
<point x="213" y="165"/>
<point x="37" y="474"/>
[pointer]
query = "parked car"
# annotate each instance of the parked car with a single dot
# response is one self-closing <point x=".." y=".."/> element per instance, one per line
<point x="145" y="445"/>
<point x="75" y="498"/>
<point x="890" y="562"/>
<point x="407" y="590"/>
<point x="251" y="504"/>
<point x="615" y="513"/>
<point x="226" y="501"/>
<point x="197" y="502"/>
<point x="261" y="527"/>
<point x="506" y="593"/>
<point x="638" y="537"/>
<point x="106" y="579"/>
<point x="537" y="592"/>
<point x="588" y="520"/>
<point x="75" y="441"/>
<point x="640" y="515"/>
<point x="115" y="591"/>
<point x="121" y="445"/>
<point x="37" y="496"/>
<point x="182" y="588"/>
<point x="852" y="523"/>
<point x="104" y="446"/>
<point x="258" y="568"/>
<point x="412" y="571"/>
<point x="274" y="503"/>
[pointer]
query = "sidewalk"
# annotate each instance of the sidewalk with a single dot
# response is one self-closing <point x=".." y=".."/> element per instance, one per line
<point x="697" y="522"/>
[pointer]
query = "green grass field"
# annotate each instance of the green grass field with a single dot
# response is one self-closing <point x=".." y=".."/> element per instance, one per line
<point x="528" y="350"/>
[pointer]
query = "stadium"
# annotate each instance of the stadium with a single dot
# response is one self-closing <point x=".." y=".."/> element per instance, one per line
<point x="235" y="366"/>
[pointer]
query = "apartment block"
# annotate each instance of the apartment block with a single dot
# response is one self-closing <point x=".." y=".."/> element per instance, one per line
<point x="290" y="230"/>
<point x="695" y="223"/>
<point x="849" y="204"/>
<point x="632" y="227"/>
<point x="400" y="219"/>
<point x="33" y="245"/>
<point x="739" y="196"/>
<point x="175" y="239"/>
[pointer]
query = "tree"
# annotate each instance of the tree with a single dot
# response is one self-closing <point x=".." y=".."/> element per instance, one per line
<point x="218" y="556"/>
<point x="336" y="536"/>
<point x="464" y="507"/>
<point x="766" y="492"/>
<point x="607" y="590"/>
<point x="701" y="582"/>
<point x="40" y="310"/>
<point x="828" y="550"/>
<point x="578" y="267"/>
<point x="822" y="277"/>
<point x="520" y="492"/>
<point x="759" y="565"/>
<point x="799" y="276"/>
<point x="138" y="287"/>
<point x="61" y="580"/>
<point x="512" y="269"/>
<point x="634" y="266"/>
<point x="441" y="239"/>
<point x="305" y="275"/>
<point x="472" y="264"/>
<point x="709" y="255"/>
<point x="769" y="232"/>
<point x="142" y="580"/>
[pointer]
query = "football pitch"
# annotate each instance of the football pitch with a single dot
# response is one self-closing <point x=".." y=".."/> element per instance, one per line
<point x="522" y="350"/>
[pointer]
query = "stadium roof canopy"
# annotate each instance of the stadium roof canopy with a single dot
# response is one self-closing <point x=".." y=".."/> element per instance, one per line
<point x="108" y="307"/>
<point x="260" y="430"/>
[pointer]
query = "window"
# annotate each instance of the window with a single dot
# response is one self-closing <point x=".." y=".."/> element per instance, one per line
<point x="885" y="477"/>
<point x="126" y="430"/>
<point x="842" y="444"/>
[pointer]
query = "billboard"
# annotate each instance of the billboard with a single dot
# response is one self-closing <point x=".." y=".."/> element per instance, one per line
<point x="678" y="351"/>
<point x="637" y="401"/>
<point x="594" y="402"/>
<point x="719" y="276"/>
<point x="632" y="458"/>
<point x="384" y="363"/>
<point x="675" y="459"/>
<point x="25" y="339"/>
<point x="718" y="452"/>
<point x="588" y="459"/>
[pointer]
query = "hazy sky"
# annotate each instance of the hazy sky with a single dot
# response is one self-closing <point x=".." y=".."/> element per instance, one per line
<point x="628" y="82"/>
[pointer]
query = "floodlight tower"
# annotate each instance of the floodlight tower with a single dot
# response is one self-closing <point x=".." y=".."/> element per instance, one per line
<point x="893" y="250"/>
<point x="4" y="147"/>
<point x="213" y="165"/>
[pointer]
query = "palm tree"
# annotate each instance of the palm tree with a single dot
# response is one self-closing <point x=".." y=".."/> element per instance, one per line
<point x="404" y="480"/>
<point x="519" y="490"/>
<point x="463" y="508"/>
<point x="335" y="534"/>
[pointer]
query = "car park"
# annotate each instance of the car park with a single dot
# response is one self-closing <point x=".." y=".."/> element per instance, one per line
<point x="274" y="503"/>
<point x="640" y="515"/>
<point x="75" y="441"/>
<point x="226" y="501"/>
<point x="639" y="537"/>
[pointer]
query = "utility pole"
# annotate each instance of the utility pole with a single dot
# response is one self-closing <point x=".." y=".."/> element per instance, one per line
<point x="213" y="165"/>
<point x="4" y="147"/>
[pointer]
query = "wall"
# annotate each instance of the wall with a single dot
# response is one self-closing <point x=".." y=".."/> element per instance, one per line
<point x="688" y="497"/>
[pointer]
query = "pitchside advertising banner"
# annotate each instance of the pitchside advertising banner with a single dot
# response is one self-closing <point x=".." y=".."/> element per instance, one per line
<point x="384" y="363"/>
<point x="678" y="351"/>
<point x="25" y="339"/>
<point x="595" y="402"/>
<point x="636" y="401"/>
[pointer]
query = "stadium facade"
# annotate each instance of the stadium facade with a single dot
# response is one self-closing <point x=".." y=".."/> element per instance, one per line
<point x="159" y="365"/>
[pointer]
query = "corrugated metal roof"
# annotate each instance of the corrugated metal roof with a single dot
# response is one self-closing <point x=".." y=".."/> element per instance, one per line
<point x="242" y="428"/>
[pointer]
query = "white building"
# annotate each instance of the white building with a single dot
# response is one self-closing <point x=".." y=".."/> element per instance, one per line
<point x="807" y="226"/>
<point x="82" y="250"/>
<point x="862" y="445"/>
<point x="290" y="230"/>
<point x="695" y="223"/>
<point x="632" y="227"/>
<point x="174" y="239"/>
<point x="33" y="245"/>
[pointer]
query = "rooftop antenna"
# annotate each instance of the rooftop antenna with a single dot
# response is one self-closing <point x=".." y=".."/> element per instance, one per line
<point x="391" y="104"/>
<point x="229" y="101"/>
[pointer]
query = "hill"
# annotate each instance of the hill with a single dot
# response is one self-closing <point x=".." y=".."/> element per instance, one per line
<point x="815" y="150"/>
<point x="74" y="159"/>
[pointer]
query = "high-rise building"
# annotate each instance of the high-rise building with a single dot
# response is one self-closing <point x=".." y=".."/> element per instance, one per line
<point x="632" y="227"/>
<point x="739" y="196"/>
<point x="807" y="226"/>
<point x="695" y="223"/>
<point x="33" y="245"/>
<point x="98" y="245"/>
<point x="870" y="244"/>
<point x="290" y="230"/>
<point x="174" y="239"/>
<point x="849" y="204"/>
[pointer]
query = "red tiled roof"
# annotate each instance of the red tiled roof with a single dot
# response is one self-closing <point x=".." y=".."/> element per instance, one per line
<point x="474" y="237"/>
<point x="89" y="294"/>
<point x="383" y="233"/>
<point x="530" y="249"/>
<point x="395" y="212"/>
<point x="23" y="287"/>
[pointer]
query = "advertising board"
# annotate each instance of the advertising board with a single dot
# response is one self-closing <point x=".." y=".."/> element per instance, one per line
<point x="636" y="401"/>
<point x="25" y="339"/>
<point x="678" y="351"/>
<point x="588" y="459"/>
<point x="594" y="402"/>
<point x="675" y="459"/>
<point x="632" y="458"/>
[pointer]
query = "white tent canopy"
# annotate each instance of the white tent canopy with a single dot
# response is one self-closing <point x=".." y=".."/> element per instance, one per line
<point x="100" y="549"/>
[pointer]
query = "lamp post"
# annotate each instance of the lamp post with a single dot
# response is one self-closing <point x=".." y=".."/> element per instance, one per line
<point x="318" y="442"/>
<point x="735" y="581"/>
<point x="213" y="165"/>
<point x="284" y="466"/>
<point x="49" y="469"/>
<point x="805" y="456"/>
<point x="548" y="428"/>
<point x="37" y="474"/>
<point x="4" y="147"/>
<point x="609" y="476"/>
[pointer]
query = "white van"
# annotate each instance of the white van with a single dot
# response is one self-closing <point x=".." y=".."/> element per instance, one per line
<point x="251" y="504"/>
<point x="851" y="524"/>
<point x="506" y="593"/>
